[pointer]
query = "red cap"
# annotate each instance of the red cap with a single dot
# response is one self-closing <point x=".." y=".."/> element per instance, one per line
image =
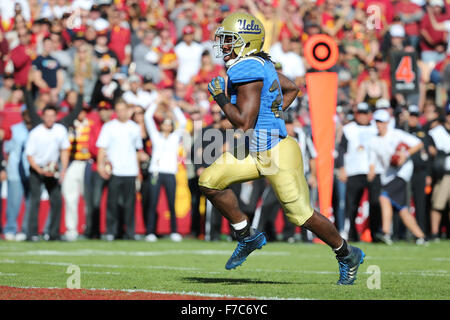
<point x="104" y="105"/>
<point x="188" y="29"/>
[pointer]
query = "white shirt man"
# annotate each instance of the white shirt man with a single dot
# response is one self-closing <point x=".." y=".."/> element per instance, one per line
<point x="189" y="55"/>
<point x="44" y="144"/>
<point x="121" y="140"/>
<point x="292" y="63"/>
<point x="47" y="144"/>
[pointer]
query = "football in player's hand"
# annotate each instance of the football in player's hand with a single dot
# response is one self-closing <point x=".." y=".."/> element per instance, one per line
<point x="395" y="159"/>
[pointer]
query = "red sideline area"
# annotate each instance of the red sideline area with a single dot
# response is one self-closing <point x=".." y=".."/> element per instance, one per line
<point x="11" y="293"/>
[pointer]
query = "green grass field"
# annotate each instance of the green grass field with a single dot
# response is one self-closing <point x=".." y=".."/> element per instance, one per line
<point x="279" y="270"/>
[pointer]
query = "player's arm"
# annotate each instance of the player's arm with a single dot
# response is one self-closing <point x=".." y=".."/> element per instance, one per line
<point x="243" y="114"/>
<point x="289" y="90"/>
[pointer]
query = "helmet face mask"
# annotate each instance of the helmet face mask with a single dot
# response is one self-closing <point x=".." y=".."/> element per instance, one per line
<point x="240" y="33"/>
<point x="224" y="39"/>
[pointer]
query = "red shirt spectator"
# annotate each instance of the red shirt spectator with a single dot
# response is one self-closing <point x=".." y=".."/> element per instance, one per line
<point x="4" y="50"/>
<point x="406" y="9"/>
<point x="120" y="39"/>
<point x="432" y="37"/>
<point x="22" y="57"/>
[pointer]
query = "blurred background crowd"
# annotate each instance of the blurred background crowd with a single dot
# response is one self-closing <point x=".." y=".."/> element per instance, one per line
<point x="118" y="75"/>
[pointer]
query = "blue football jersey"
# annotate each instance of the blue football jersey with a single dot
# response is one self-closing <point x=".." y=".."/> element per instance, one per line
<point x="269" y="128"/>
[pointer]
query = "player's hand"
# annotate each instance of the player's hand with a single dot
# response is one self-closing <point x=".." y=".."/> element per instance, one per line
<point x="217" y="89"/>
<point x="216" y="86"/>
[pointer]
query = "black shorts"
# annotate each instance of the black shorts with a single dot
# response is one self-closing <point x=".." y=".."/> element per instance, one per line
<point x="396" y="192"/>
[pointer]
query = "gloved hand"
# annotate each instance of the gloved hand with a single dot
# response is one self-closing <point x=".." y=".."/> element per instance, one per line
<point x="217" y="89"/>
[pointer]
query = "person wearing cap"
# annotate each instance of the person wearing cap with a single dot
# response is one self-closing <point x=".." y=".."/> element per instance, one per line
<point x="353" y="165"/>
<point x="421" y="177"/>
<point x="95" y="184"/>
<point x="119" y="145"/>
<point x="396" y="167"/>
<point x="137" y="96"/>
<point x="384" y="104"/>
<point x="440" y="199"/>
<point x="189" y="55"/>
<point x="432" y="40"/>
<point x="18" y="172"/>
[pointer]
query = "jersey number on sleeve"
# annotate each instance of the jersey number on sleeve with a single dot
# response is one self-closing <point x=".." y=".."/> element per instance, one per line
<point x="277" y="102"/>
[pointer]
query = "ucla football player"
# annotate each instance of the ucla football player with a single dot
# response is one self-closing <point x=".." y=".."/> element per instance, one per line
<point x="253" y="99"/>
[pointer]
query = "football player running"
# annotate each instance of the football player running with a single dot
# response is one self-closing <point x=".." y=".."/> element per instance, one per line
<point x="253" y="99"/>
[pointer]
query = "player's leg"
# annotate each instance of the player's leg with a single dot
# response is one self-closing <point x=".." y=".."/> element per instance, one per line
<point x="289" y="184"/>
<point x="213" y="183"/>
<point x="411" y="223"/>
<point x="215" y="179"/>
<point x="386" y="213"/>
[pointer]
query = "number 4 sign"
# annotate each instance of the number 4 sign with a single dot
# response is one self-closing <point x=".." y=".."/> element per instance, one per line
<point x="404" y="72"/>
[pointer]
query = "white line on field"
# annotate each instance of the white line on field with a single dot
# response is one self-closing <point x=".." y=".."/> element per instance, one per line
<point x="8" y="274"/>
<point x="423" y="273"/>
<point x="87" y="252"/>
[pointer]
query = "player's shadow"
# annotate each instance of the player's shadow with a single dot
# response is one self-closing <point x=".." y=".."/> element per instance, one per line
<point x="232" y="281"/>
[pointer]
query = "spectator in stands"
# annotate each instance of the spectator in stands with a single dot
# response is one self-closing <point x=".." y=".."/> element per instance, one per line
<point x="144" y="160"/>
<point x="146" y="58"/>
<point x="95" y="183"/>
<point x="106" y="58"/>
<point x="291" y="62"/>
<point x="136" y="96"/>
<point x="106" y="88"/>
<point x="168" y="62"/>
<point x="18" y="173"/>
<point x="189" y="53"/>
<point x="4" y="51"/>
<point x="84" y="68"/>
<point x="410" y="14"/>
<point x="441" y="193"/>
<point x="47" y="144"/>
<point x="22" y="57"/>
<point x="48" y="74"/>
<point x="74" y="184"/>
<point x="164" y="164"/>
<point x="120" y="38"/>
<point x="372" y="89"/>
<point x="119" y="144"/>
<point x="432" y="43"/>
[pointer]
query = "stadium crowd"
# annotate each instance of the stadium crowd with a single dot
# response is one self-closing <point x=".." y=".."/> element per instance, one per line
<point x="100" y="94"/>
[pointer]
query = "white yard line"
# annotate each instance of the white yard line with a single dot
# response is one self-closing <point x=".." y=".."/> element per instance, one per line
<point x="87" y="252"/>
<point x="424" y="273"/>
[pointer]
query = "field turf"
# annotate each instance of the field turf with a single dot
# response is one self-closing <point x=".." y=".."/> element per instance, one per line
<point x="196" y="269"/>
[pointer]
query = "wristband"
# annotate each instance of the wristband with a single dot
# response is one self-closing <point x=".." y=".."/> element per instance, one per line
<point x="221" y="99"/>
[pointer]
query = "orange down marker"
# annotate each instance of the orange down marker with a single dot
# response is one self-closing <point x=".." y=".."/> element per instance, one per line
<point x="322" y="52"/>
